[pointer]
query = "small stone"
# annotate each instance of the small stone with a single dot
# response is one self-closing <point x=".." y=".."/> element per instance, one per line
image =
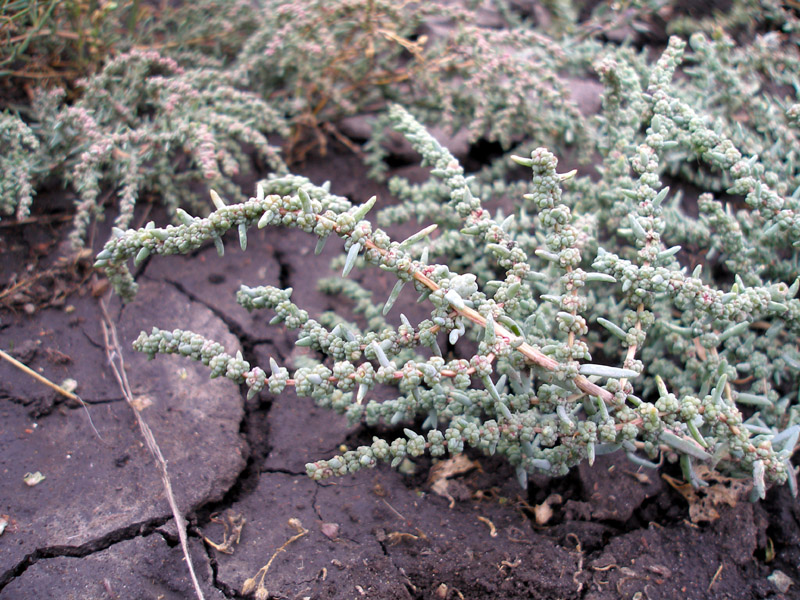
<point x="33" y="479"/>
<point x="69" y="385"/>
<point x="781" y="581"/>
<point x="330" y="530"/>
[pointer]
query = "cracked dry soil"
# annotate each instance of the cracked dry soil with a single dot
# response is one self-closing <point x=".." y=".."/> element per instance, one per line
<point x="99" y="526"/>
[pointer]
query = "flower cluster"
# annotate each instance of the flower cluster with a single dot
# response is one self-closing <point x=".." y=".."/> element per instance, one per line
<point x="157" y="121"/>
<point x="17" y="166"/>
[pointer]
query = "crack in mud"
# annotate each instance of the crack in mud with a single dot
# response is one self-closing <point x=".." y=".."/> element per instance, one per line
<point x="225" y="589"/>
<point x="251" y="427"/>
<point x="247" y="341"/>
<point x="247" y="480"/>
<point x="414" y="592"/>
<point x="314" y="503"/>
<point x="285" y="271"/>
<point x="283" y="472"/>
<point x="153" y="525"/>
<point x="142" y="529"/>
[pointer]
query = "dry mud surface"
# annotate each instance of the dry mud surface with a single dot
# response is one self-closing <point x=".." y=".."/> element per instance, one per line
<point x="99" y="525"/>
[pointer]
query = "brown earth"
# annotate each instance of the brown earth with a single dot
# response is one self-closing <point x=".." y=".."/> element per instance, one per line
<point x="99" y="525"/>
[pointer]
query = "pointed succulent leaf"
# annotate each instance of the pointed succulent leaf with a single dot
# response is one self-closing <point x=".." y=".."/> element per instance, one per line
<point x="380" y="355"/>
<point x="420" y="235"/>
<point x="217" y="200"/>
<point x="305" y="200"/>
<point x="362" y="210"/>
<point x="604" y="277"/>
<point x="455" y="299"/>
<point x="660" y="196"/>
<point x="521" y="160"/>
<point x="273" y="365"/>
<point x="683" y="445"/>
<point x="398" y="287"/>
<point x="615" y="329"/>
<point x="489" y="335"/>
<point x="219" y="245"/>
<point x="606" y="371"/>
<point x="184" y="217"/>
<point x="637" y="228"/>
<point x="352" y="254"/>
<point x="320" y="244"/>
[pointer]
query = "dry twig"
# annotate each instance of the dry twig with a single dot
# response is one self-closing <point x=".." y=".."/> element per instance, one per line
<point x="114" y="354"/>
<point x="256" y="583"/>
<point x="42" y="379"/>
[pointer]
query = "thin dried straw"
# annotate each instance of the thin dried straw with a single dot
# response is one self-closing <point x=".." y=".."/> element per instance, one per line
<point x="114" y="354"/>
<point x="42" y="379"/>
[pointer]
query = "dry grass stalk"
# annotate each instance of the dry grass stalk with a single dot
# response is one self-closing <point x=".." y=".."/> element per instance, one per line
<point x="114" y="354"/>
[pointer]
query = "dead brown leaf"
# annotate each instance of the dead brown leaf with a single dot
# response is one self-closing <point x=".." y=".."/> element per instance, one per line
<point x="441" y="472"/>
<point x="544" y="512"/>
<point x="139" y="403"/>
<point x="233" y="524"/>
<point x="703" y="501"/>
